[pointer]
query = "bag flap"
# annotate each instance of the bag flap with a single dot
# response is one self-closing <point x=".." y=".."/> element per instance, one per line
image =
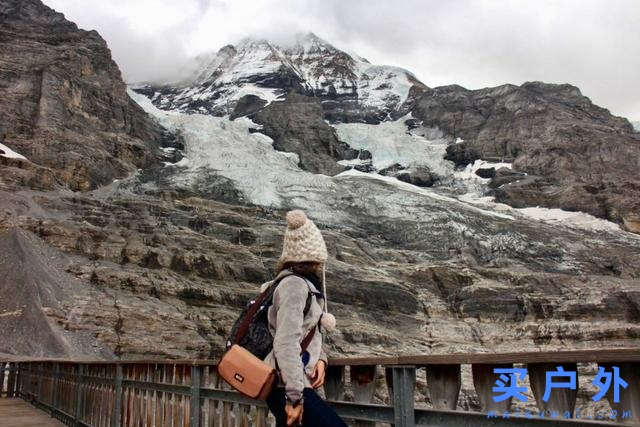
<point x="245" y="372"/>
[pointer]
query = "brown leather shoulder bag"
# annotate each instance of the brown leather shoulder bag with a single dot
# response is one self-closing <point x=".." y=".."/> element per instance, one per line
<point x="248" y="374"/>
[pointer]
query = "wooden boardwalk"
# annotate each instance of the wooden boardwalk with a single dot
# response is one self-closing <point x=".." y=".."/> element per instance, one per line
<point x="18" y="413"/>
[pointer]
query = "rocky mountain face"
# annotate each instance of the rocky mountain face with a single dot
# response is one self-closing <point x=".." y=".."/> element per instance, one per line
<point x="159" y="262"/>
<point x="64" y="105"/>
<point x="576" y="155"/>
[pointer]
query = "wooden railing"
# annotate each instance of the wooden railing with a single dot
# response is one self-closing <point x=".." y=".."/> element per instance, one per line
<point x="190" y="393"/>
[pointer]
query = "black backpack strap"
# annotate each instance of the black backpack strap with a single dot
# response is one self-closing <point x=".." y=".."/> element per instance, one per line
<point x="263" y="299"/>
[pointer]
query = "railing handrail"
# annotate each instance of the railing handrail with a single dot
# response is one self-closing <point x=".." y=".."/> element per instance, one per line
<point x="616" y="354"/>
<point x="80" y="391"/>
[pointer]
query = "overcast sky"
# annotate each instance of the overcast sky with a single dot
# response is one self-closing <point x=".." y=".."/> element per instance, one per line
<point x="594" y="44"/>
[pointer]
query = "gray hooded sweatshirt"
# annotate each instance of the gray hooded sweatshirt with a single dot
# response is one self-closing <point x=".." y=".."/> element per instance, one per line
<point x="289" y="326"/>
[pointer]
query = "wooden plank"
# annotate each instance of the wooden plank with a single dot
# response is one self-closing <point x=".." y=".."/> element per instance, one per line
<point x="334" y="383"/>
<point x="560" y="399"/>
<point x="168" y="403"/>
<point x="56" y="383"/>
<point x="86" y="405"/>
<point x="11" y="380"/>
<point x="364" y="386"/>
<point x="40" y="386"/>
<point x="157" y="397"/>
<point x="205" y="402"/>
<point x="2" y="375"/>
<point x="146" y="401"/>
<point x="443" y="382"/>
<point x="227" y="408"/>
<point x="18" y="380"/>
<point x="79" y="394"/>
<point x="128" y="421"/>
<point x="195" y="397"/>
<point x="261" y="416"/>
<point x="186" y="400"/>
<point x="165" y="398"/>
<point x="483" y="381"/>
<point x="401" y="384"/>
<point x="177" y="379"/>
<point x="18" y="413"/>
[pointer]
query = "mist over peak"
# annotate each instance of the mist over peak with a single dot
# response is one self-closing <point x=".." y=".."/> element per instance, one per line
<point x="442" y="43"/>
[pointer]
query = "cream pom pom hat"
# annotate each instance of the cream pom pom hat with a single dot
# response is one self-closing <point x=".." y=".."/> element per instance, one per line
<point x="303" y="242"/>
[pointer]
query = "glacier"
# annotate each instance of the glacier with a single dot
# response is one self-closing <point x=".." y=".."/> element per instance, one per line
<point x="271" y="178"/>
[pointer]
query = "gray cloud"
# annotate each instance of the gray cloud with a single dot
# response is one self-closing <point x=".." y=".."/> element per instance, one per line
<point x="594" y="44"/>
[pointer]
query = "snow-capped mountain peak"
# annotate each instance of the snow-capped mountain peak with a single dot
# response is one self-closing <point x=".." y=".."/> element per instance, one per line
<point x="269" y="69"/>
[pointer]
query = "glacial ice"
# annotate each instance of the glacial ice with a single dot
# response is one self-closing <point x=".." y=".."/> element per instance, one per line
<point x="390" y="142"/>
<point x="268" y="177"/>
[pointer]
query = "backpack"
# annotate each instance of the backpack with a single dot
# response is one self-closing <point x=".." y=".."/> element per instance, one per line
<point x="251" y="329"/>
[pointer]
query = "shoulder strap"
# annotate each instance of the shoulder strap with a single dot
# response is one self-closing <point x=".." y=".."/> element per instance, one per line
<point x="243" y="329"/>
<point x="307" y="306"/>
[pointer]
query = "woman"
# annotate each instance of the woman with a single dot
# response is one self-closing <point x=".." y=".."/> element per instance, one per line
<point x="297" y="310"/>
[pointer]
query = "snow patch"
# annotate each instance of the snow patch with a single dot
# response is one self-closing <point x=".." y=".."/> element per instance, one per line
<point x="9" y="153"/>
<point x="571" y="219"/>
<point x="469" y="172"/>
<point x="354" y="162"/>
<point x="390" y="143"/>
<point x="417" y="190"/>
<point x="576" y="220"/>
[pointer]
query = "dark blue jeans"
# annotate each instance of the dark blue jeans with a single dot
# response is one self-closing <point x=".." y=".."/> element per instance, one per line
<point x="316" y="412"/>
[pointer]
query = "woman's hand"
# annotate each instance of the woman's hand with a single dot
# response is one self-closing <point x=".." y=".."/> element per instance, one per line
<point x="318" y="374"/>
<point x="294" y="414"/>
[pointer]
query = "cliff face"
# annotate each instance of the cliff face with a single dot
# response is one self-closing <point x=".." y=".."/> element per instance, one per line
<point x="64" y="104"/>
<point x="578" y="156"/>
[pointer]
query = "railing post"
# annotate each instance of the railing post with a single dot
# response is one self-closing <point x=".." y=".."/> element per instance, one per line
<point x="11" y="381"/>
<point x="628" y="406"/>
<point x="444" y="382"/>
<point x="39" y="373"/>
<point x="483" y="381"/>
<point x="56" y="382"/>
<point x="334" y="383"/>
<point x="560" y="400"/>
<point x="2" y="368"/>
<point x="116" y="419"/>
<point x="79" y="381"/>
<point x="402" y="389"/>
<point x="195" y="396"/>
<point x="17" y="387"/>
<point x="364" y="386"/>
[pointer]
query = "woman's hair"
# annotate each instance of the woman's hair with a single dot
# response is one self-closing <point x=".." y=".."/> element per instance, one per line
<point x="305" y="268"/>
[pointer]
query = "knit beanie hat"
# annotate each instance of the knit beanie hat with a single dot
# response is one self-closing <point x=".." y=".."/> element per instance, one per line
<point x="302" y="240"/>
